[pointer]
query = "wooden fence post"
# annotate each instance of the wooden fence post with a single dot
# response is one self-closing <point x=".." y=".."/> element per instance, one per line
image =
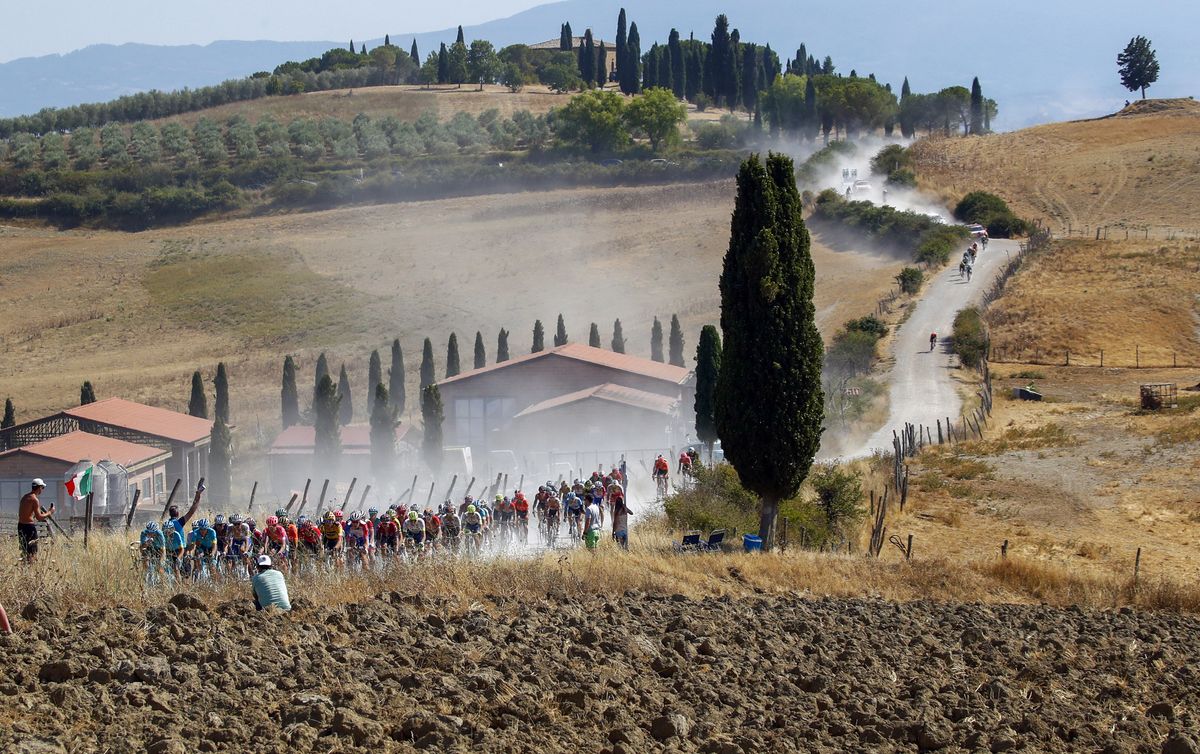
<point x="253" y="492"/>
<point x="1137" y="357"/>
<point x="1004" y="550"/>
<point x="170" y="499"/>
<point x="87" y="520"/>
<point x="1137" y="566"/>
<point x="137" y="493"/>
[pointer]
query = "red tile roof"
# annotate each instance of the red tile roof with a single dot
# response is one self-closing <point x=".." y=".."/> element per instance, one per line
<point x="619" y="361"/>
<point x="77" y="446"/>
<point x="626" y="396"/>
<point x="301" y="440"/>
<point x="156" y="422"/>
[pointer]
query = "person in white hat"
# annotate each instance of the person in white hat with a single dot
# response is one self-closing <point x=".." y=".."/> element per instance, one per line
<point x="269" y="586"/>
<point x="29" y="515"/>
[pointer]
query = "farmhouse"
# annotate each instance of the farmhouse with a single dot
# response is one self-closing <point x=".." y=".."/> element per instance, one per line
<point x="551" y="46"/>
<point x="291" y="455"/>
<point x="572" y="398"/>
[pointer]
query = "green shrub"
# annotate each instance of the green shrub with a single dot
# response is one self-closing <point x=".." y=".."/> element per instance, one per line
<point x="716" y="501"/>
<point x="851" y="352"/>
<point x="839" y="496"/>
<point x="969" y="339"/>
<point x="991" y="212"/>
<point x="905" y="178"/>
<point x="910" y="279"/>
<point x="939" y="243"/>
<point x="868" y="324"/>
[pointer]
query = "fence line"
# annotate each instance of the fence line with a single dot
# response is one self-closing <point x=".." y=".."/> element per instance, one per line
<point x="1127" y="232"/>
<point x="1119" y="359"/>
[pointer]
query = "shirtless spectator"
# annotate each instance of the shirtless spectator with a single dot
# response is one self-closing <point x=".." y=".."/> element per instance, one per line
<point x="29" y="515"/>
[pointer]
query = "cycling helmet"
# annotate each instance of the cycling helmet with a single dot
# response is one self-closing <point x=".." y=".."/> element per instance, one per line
<point x="373" y="512"/>
<point x="152" y="526"/>
<point x="328" y="516"/>
<point x="195" y="525"/>
<point x="541" y="488"/>
<point x="302" y="520"/>
<point x="251" y="524"/>
<point x="338" y="514"/>
<point x="202" y="523"/>
<point x="470" y="509"/>
<point x="499" y="498"/>
<point x="280" y="513"/>
<point x="220" y="519"/>
<point x="272" y="521"/>
<point x="235" y="519"/>
<point x="413" y="515"/>
<point x="468" y="499"/>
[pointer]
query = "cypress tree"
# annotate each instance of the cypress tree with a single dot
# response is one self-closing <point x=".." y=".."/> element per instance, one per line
<point x="396" y="379"/>
<point x="560" y="333"/>
<point x="198" y="402"/>
<point x="387" y="40"/>
<point x="460" y="39"/>
<point x="10" y="414"/>
<point x="428" y="370"/>
<point x="976" y="107"/>
<point x="383" y="434"/>
<point x="594" y="336"/>
<point x="221" y="385"/>
<point x="431" y="419"/>
<point x="443" y="68"/>
<point x="634" y="57"/>
<point x="363" y="50"/>
<point x="675" y="343"/>
<point x="480" y="353"/>
<point x="601" y="65"/>
<point x="663" y="77"/>
<point x="622" y="53"/>
<point x="87" y="394"/>
<point x="734" y="77"/>
<point x="502" y="346"/>
<point x="587" y="58"/>
<point x="289" y="400"/>
<point x="452" y="364"/>
<point x="412" y="53"/>
<point x="770" y="65"/>
<point x="656" y="341"/>
<point x="539" y="337"/>
<point x="678" y="71"/>
<point x="650" y="67"/>
<point x="220" y="463"/>
<point x="721" y="62"/>
<point x="345" y="402"/>
<point x="708" y="366"/>
<point x="618" y="339"/>
<point x="374" y="376"/>
<point x="769" y="400"/>
<point x="800" y="67"/>
<point x="351" y="45"/>
<point x="750" y="71"/>
<point x="694" y="80"/>
<point x="321" y="371"/>
<point x="810" y="119"/>
<point x="327" y="438"/>
<point x="566" y="41"/>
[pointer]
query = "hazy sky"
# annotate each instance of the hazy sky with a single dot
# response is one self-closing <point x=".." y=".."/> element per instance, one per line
<point x="65" y="25"/>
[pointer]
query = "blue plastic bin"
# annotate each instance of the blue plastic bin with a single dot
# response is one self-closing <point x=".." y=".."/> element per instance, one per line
<point x="752" y="542"/>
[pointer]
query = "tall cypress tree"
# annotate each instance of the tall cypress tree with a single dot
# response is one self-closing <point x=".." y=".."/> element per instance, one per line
<point x="539" y="337"/>
<point x="480" y="353"/>
<point x="327" y="437"/>
<point x="750" y="70"/>
<point x="566" y="41"/>
<point x="198" y="402"/>
<point x="374" y="377"/>
<point x="663" y="77"/>
<point x="502" y="346"/>
<point x="10" y="414"/>
<point x="560" y="333"/>
<point x="734" y="76"/>
<point x="907" y="127"/>
<point x="650" y="67"/>
<point x="601" y="65"/>
<point x="810" y="118"/>
<point x="432" y="416"/>
<point x="460" y="39"/>
<point x="387" y="40"/>
<point x="587" y="58"/>
<point x="656" y="341"/>
<point x="220" y="463"/>
<point x="769" y="419"/>
<point x="345" y="402"/>
<point x="87" y="394"/>
<point x="396" y="379"/>
<point x="678" y="71"/>
<point x="622" y="52"/>
<point x="594" y="336"/>
<point x="618" y="339"/>
<point x="443" y="67"/>
<point x="633" y="55"/>
<point x="221" y="386"/>
<point x="720" y="58"/>
<point x="289" y="400"/>
<point x="428" y="369"/>
<point x="694" y="82"/>
<point x="452" y="364"/>
<point x="976" y="107"/>
<point x="675" y="343"/>
<point x="383" y="434"/>
<point x="322" y="370"/>
<point x="412" y="53"/>
<point x="708" y="366"/>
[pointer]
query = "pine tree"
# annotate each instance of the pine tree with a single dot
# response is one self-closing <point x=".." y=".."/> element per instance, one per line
<point x="769" y="419"/>
<point x="220" y="464"/>
<point x="633" y="55"/>
<point x="480" y="353"/>
<point x="87" y="394"/>
<point x="539" y="337"/>
<point x="383" y="434"/>
<point x="412" y="53"/>
<point x="396" y="379"/>
<point x="198" y="402"/>
<point x="452" y="363"/>
<point x="1138" y="65"/>
<point x="622" y="53"/>
<point x="656" y="341"/>
<point x="322" y="370"/>
<point x="431" y="417"/>
<point x="594" y="336"/>
<point x="345" y="402"/>
<point x="708" y="366"/>
<point x="10" y="414"/>
<point x="221" y="387"/>
<point x="675" y="343"/>
<point x="976" y="126"/>
<point x="678" y="71"/>
<point x="800" y="67"/>
<point x="327" y="440"/>
<point x="289" y="399"/>
<point x="618" y="339"/>
<point x="502" y="346"/>
<point x="560" y="333"/>
<point x="428" y="369"/>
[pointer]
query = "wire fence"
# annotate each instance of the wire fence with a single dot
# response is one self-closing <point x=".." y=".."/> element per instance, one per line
<point x="1128" y="232"/>
<point x="1135" y="358"/>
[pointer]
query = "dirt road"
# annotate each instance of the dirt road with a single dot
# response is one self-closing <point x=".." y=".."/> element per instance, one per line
<point x="922" y="389"/>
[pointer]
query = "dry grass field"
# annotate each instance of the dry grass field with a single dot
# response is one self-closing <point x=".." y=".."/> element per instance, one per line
<point x="1137" y="168"/>
<point x="137" y="313"/>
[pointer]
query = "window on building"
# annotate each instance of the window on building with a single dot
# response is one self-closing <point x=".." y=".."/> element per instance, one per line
<point x="160" y="483"/>
<point x="146" y="488"/>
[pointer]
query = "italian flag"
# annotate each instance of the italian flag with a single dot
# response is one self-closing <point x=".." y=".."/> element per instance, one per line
<point x="80" y="485"/>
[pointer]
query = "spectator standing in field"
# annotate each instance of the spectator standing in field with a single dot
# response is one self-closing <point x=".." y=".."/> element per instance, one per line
<point x="29" y="515"/>
<point x="269" y="586"/>
<point x="620" y="521"/>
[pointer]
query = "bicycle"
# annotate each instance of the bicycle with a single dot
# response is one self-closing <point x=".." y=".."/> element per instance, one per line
<point x="661" y="485"/>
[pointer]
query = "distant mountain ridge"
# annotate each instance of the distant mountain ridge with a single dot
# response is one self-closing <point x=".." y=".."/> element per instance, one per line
<point x="1040" y="60"/>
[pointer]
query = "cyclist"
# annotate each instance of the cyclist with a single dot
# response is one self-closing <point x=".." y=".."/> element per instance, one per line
<point x="550" y="517"/>
<point x="684" y="468"/>
<point x="661" y="471"/>
<point x="505" y="513"/>
<point x="331" y="532"/>
<point x="310" y="536"/>
<point x="240" y="542"/>
<point x="152" y="542"/>
<point x="433" y="527"/>
<point x="575" y="508"/>
<point x="293" y="531"/>
<point x="451" y="527"/>
<point x="472" y="524"/>
<point x="521" y="510"/>
<point x="932" y="340"/>
<point x="275" y="537"/>
<point x="222" y="529"/>
<point x="414" y="530"/>
<point x="202" y="544"/>
<point x="174" y="543"/>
